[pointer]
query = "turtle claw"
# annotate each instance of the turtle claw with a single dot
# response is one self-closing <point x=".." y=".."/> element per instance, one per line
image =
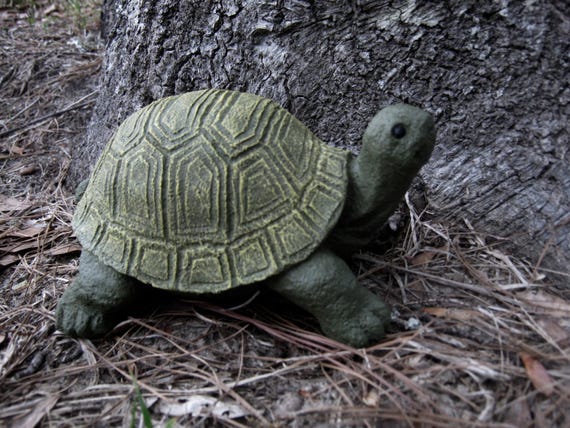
<point x="363" y="328"/>
<point x="80" y="319"/>
<point x="97" y="300"/>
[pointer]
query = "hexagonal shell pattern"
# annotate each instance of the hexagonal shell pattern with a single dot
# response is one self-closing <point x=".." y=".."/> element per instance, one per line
<point x="210" y="190"/>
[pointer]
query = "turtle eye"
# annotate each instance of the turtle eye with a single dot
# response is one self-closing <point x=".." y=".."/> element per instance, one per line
<point x="398" y="130"/>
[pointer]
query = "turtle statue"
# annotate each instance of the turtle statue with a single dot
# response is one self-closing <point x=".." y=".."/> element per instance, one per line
<point x="216" y="189"/>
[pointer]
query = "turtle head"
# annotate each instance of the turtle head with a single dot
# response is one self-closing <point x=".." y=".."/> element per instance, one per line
<point x="396" y="144"/>
<point x="400" y="138"/>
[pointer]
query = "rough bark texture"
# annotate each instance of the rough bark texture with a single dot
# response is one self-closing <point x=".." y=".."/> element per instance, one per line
<point x="494" y="74"/>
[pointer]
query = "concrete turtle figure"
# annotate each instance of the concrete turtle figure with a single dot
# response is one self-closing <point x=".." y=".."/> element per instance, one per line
<point x="215" y="189"/>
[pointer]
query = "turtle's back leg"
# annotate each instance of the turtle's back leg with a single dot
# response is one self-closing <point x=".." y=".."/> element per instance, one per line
<point x="97" y="299"/>
<point x="326" y="287"/>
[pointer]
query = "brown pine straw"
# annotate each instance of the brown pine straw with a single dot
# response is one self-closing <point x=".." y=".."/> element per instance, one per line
<point x="480" y="337"/>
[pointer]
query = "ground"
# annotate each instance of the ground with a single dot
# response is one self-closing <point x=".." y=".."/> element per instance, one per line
<point x="480" y="338"/>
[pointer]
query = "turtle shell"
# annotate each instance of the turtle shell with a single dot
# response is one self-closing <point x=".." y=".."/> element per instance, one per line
<point x="210" y="190"/>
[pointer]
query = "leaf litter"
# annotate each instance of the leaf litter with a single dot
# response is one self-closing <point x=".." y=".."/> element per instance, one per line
<point x="479" y="337"/>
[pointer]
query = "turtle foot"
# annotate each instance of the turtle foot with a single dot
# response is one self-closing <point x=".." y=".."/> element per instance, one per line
<point x="78" y="318"/>
<point x="325" y="286"/>
<point x="97" y="300"/>
<point x="364" y="327"/>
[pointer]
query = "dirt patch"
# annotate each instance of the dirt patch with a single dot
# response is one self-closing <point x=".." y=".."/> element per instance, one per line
<point x="479" y="337"/>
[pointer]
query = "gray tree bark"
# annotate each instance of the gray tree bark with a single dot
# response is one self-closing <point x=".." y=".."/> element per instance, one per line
<point x="494" y="74"/>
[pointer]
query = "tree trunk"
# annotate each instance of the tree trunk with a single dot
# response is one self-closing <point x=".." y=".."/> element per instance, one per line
<point x="494" y="74"/>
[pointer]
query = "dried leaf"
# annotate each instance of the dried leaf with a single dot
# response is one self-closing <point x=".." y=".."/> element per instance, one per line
<point x="28" y="170"/>
<point x="8" y="260"/>
<point x="42" y="408"/>
<point x="16" y="150"/>
<point x="6" y="353"/>
<point x="537" y="374"/>
<point x="16" y="248"/>
<point x="452" y="313"/>
<point x="197" y="405"/>
<point x="49" y="9"/>
<point x="426" y="256"/>
<point x="8" y="203"/>
<point x="27" y="232"/>
<point x="422" y="258"/>
<point x="63" y="249"/>
<point x="305" y="393"/>
<point x="372" y="399"/>
<point x="34" y="243"/>
<point x="543" y="302"/>
<point x="288" y="404"/>
<point x="436" y="312"/>
<point x="20" y="285"/>
<point x="518" y="414"/>
<point x="553" y="328"/>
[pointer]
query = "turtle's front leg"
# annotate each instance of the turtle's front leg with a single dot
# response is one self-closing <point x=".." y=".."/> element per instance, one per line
<point x="97" y="299"/>
<point x="325" y="286"/>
